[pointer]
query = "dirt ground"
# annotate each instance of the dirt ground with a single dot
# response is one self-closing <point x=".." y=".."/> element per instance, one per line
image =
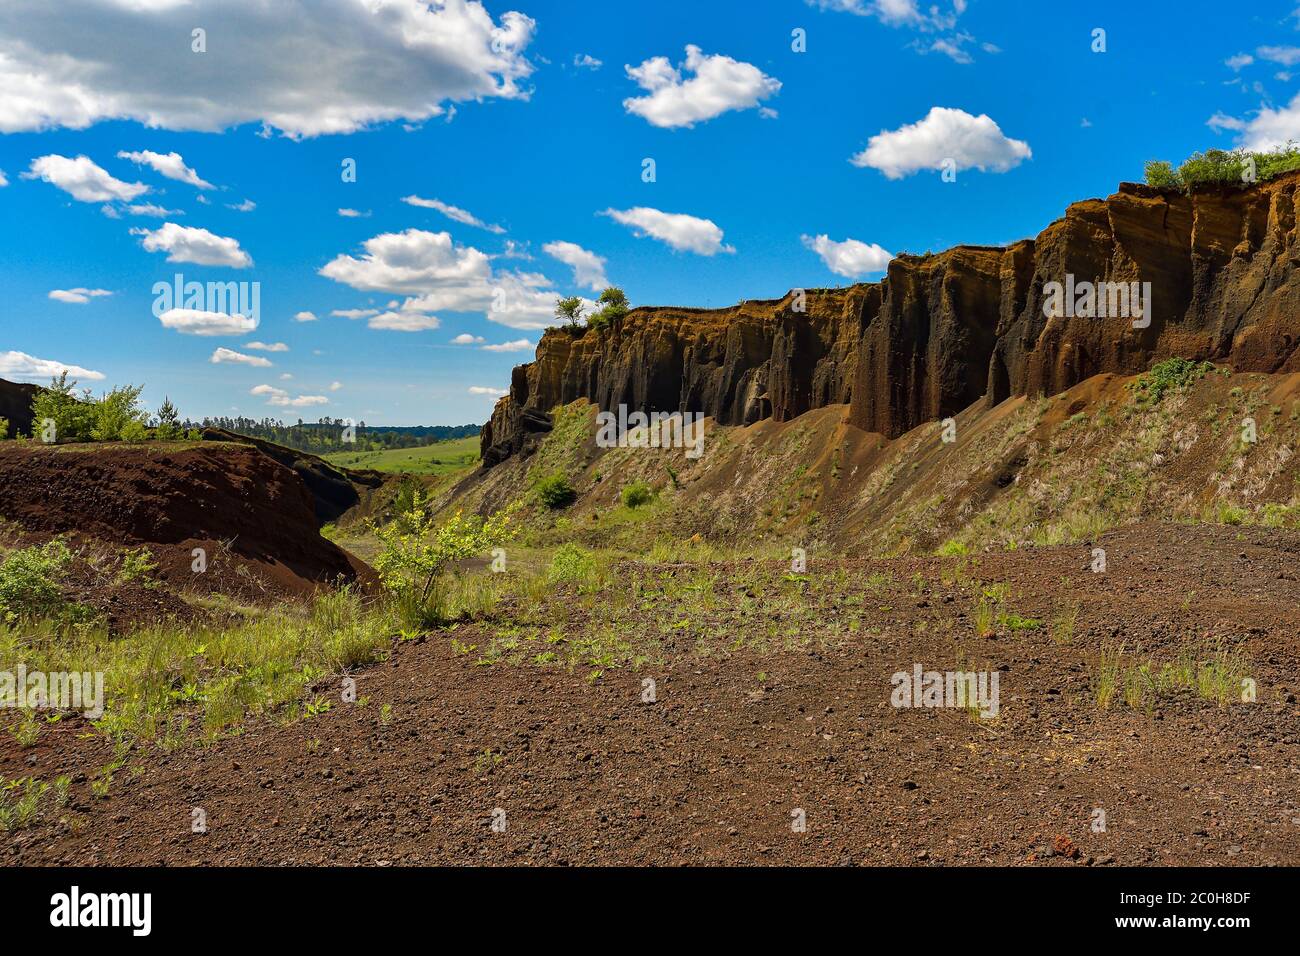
<point x="744" y="734"/>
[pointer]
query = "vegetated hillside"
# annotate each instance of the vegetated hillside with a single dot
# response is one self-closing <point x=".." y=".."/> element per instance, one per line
<point x="942" y="331"/>
<point x="1167" y="445"/>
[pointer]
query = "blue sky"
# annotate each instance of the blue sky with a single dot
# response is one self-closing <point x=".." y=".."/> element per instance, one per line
<point x="499" y="112"/>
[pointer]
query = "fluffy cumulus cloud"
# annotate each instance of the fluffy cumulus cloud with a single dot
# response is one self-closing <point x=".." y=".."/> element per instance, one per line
<point x="466" y="339"/>
<point x="238" y="358"/>
<point x="488" y="390"/>
<point x="170" y="165"/>
<point x="304" y="316"/>
<point x="353" y="63"/>
<point x="199" y="322"/>
<point x="21" y="367"/>
<point x="971" y="142"/>
<point x="77" y="296"/>
<point x="3" y="180"/>
<point x="454" y="213"/>
<point x="680" y="231"/>
<point x="588" y="268"/>
<point x="81" y="178"/>
<point x="280" y="398"/>
<point x="436" y="274"/>
<point x="719" y="84"/>
<point x="268" y="346"/>
<point x="850" y="258"/>
<point x="1268" y="129"/>
<point x="191" y="244"/>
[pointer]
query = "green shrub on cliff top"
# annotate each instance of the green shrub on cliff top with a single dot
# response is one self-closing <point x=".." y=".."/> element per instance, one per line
<point x="1224" y="166"/>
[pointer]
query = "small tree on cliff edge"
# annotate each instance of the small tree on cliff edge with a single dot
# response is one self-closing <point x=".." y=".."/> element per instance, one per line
<point x="569" y="311"/>
<point x="614" y="306"/>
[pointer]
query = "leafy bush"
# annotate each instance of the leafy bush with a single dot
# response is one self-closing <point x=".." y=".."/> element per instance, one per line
<point x="418" y="552"/>
<point x="73" y="416"/>
<point x="118" y="416"/>
<point x="1224" y="166"/>
<point x="1164" y="377"/>
<point x="614" y="306"/>
<point x="637" y="494"/>
<point x="554" y="491"/>
<point x="4" y="428"/>
<point x="137" y="563"/>
<point x="1161" y="175"/>
<point x="115" y="416"/>
<point x="572" y="563"/>
<point x="29" y="587"/>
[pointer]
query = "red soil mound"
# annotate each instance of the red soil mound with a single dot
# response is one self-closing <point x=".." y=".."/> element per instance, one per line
<point x="253" y="517"/>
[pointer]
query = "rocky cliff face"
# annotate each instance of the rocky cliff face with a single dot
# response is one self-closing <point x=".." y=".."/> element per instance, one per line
<point x="941" y="331"/>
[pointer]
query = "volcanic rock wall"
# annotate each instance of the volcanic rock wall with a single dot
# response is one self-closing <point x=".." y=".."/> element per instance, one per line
<point x="941" y="331"/>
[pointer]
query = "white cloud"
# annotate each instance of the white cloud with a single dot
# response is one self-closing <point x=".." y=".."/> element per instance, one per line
<point x="720" y="84"/>
<point x="151" y="209"/>
<point x="485" y="390"/>
<point x="586" y="61"/>
<point x="414" y="262"/>
<point x="950" y="47"/>
<point x="354" y="214"/>
<point x="77" y="296"/>
<point x="972" y="142"/>
<point x="170" y="165"/>
<point x="81" y="178"/>
<point x="438" y="275"/>
<point x="3" y="180"/>
<point x="198" y="322"/>
<point x="280" y="398"/>
<point x="466" y="339"/>
<point x="849" y="258"/>
<point x="238" y="358"/>
<point x="267" y="346"/>
<point x="285" y="376"/>
<point x="304" y="316"/>
<point x="404" y="321"/>
<point x="1235" y="63"/>
<point x="354" y="313"/>
<point x="351" y="63"/>
<point x="21" y="367"/>
<point x="246" y="206"/>
<point x="1269" y="128"/>
<point x="588" y="268"/>
<point x="335" y="386"/>
<point x="454" y="213"/>
<point x="682" y="232"/>
<point x="1285" y="55"/>
<point x="898" y="13"/>
<point x="191" y="244"/>
<point x="518" y="345"/>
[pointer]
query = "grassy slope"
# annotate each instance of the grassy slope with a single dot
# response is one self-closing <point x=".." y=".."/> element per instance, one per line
<point x="439" y="458"/>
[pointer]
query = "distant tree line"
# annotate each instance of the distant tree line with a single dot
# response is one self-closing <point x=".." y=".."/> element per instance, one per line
<point x="62" y="414"/>
<point x="328" y="434"/>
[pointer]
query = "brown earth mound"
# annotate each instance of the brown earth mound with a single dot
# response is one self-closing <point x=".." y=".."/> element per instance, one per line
<point x="333" y="490"/>
<point x="244" y="509"/>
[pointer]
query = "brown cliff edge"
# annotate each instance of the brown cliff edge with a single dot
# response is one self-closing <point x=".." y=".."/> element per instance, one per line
<point x="941" y="331"/>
